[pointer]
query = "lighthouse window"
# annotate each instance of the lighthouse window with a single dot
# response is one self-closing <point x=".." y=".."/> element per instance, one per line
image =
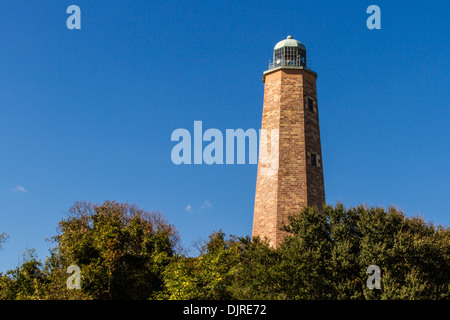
<point x="311" y="105"/>
<point x="313" y="159"/>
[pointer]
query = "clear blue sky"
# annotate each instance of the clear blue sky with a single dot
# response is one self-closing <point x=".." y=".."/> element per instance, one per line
<point x="88" y="114"/>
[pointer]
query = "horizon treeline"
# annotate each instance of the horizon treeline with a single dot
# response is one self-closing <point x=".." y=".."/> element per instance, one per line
<point x="124" y="252"/>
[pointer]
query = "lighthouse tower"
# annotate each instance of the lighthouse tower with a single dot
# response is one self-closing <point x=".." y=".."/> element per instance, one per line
<point x="290" y="109"/>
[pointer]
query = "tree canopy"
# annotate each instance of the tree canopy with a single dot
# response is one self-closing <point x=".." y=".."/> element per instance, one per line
<point x="124" y="252"/>
<point x="325" y="256"/>
<point x="120" y="249"/>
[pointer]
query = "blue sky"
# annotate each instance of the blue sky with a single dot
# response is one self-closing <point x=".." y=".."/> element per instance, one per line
<point x="88" y="114"/>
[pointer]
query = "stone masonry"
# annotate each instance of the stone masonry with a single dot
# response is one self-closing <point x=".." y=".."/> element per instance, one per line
<point x="290" y="105"/>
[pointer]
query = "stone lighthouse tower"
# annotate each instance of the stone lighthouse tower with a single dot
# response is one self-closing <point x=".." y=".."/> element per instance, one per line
<point x="291" y="112"/>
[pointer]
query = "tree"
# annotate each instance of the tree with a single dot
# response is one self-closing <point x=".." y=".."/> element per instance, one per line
<point x="257" y="276"/>
<point x="208" y="276"/>
<point x="121" y="250"/>
<point x="127" y="253"/>
<point x="3" y="237"/>
<point x="324" y="256"/>
<point x="25" y="281"/>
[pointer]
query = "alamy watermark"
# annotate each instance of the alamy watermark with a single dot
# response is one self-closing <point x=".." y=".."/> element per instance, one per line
<point x="74" y="20"/>
<point x="191" y="146"/>
<point x="374" y="21"/>
<point x="374" y="280"/>
<point x="74" y="281"/>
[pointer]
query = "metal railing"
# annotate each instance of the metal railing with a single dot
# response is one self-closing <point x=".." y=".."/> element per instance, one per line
<point x="288" y="63"/>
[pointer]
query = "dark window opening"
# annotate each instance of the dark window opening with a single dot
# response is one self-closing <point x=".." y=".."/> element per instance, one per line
<point x="313" y="159"/>
<point x="311" y="105"/>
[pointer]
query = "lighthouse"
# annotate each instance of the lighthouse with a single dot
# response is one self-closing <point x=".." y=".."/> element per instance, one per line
<point x="290" y="108"/>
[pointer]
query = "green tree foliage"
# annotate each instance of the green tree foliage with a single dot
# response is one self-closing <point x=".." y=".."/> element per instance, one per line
<point x="127" y="253"/>
<point x="325" y="256"/>
<point x="209" y="276"/>
<point x="25" y="281"/>
<point x="121" y="250"/>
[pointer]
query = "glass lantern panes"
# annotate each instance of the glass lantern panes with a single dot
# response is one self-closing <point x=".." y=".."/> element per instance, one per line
<point x="289" y="56"/>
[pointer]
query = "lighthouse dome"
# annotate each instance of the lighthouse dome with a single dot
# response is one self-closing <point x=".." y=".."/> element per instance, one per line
<point x="289" y="53"/>
<point x="290" y="42"/>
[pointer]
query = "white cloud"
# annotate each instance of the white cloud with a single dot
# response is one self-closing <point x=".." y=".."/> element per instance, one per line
<point x="19" y="188"/>
<point x="206" y="204"/>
